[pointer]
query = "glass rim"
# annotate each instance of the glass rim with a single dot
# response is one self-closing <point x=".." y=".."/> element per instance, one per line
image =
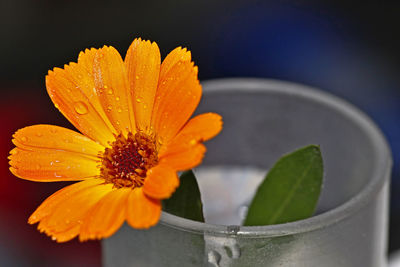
<point x="337" y="214"/>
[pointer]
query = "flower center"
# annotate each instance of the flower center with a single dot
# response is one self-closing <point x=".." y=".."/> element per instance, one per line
<point x="125" y="164"/>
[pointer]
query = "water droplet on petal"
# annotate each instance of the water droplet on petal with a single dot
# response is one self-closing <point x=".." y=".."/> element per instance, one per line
<point x="80" y="76"/>
<point x="80" y="108"/>
<point x="109" y="108"/>
<point x="117" y="98"/>
<point x="119" y="110"/>
<point x="138" y="100"/>
<point x="39" y="134"/>
<point x="110" y="92"/>
<point x="137" y="77"/>
<point x="105" y="86"/>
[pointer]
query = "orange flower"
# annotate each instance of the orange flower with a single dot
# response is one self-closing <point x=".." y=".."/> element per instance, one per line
<point x="134" y="117"/>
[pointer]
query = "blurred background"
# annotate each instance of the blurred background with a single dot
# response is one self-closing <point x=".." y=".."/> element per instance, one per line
<point x="349" y="48"/>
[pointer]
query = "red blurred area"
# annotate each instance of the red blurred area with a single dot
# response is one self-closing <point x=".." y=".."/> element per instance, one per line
<point x="22" y="244"/>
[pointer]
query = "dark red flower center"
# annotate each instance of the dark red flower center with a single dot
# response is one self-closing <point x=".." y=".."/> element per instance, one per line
<point x="125" y="164"/>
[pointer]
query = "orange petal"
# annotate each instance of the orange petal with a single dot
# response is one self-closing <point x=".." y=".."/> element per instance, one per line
<point x="106" y="217"/>
<point x="143" y="65"/>
<point x="186" y="159"/>
<point x="112" y="87"/>
<point x="199" y="129"/>
<point x="174" y="57"/>
<point x="178" y="95"/>
<point x="47" y="207"/>
<point x="67" y="235"/>
<point x="142" y="211"/>
<point x="83" y="76"/>
<point x="71" y="90"/>
<point x="49" y="165"/>
<point x="161" y="181"/>
<point x="72" y="210"/>
<point x="53" y="137"/>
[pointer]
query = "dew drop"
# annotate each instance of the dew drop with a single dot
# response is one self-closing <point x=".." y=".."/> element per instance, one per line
<point x="56" y="105"/>
<point x="119" y="110"/>
<point x="80" y="76"/>
<point x="145" y="106"/>
<point x="109" y="108"/>
<point x="137" y="77"/>
<point x="193" y="141"/>
<point x="105" y="86"/>
<point x="117" y="98"/>
<point x="163" y="82"/>
<point x="138" y="100"/>
<point x="24" y="139"/>
<point x="39" y="134"/>
<point x="80" y="108"/>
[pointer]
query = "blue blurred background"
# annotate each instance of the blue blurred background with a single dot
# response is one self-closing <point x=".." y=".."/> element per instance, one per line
<point x="349" y="48"/>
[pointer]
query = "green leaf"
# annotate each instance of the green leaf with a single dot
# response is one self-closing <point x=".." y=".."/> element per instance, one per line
<point x="291" y="189"/>
<point x="186" y="201"/>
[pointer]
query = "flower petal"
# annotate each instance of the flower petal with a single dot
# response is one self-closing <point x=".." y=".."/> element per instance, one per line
<point x="143" y="66"/>
<point x="66" y="235"/>
<point x="186" y="159"/>
<point x="198" y="129"/>
<point x="54" y="137"/>
<point x="47" y="206"/>
<point x="161" y="181"/>
<point x="178" y="95"/>
<point x="174" y="57"/>
<point x="71" y="90"/>
<point x="72" y="210"/>
<point x="142" y="211"/>
<point x="106" y="217"/>
<point x="49" y="165"/>
<point x="112" y="87"/>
